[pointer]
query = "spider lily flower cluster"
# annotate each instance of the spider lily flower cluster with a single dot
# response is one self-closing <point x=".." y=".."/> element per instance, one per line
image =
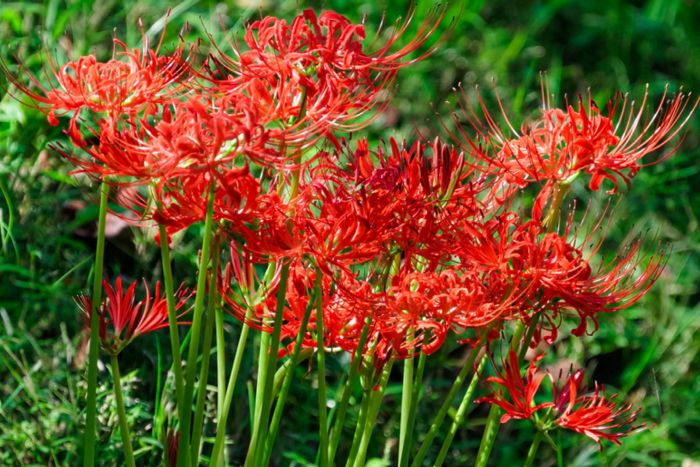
<point x="327" y="243"/>
<point x="589" y="414"/>
<point x="123" y="319"/>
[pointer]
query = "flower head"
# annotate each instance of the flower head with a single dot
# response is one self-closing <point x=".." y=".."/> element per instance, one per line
<point x="131" y="82"/>
<point x="561" y="143"/>
<point x="591" y="415"/>
<point x="519" y="400"/>
<point x="316" y="73"/>
<point x="122" y="318"/>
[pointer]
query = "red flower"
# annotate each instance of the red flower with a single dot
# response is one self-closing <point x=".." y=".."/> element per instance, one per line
<point x="562" y="143"/>
<point x="568" y="282"/>
<point x="182" y="201"/>
<point x="313" y="74"/>
<point x="592" y="415"/>
<point x="126" y="318"/>
<point x="550" y="273"/>
<point x="402" y="197"/>
<point x="419" y="309"/>
<point x="200" y="134"/>
<point x="129" y="83"/>
<point x="519" y="402"/>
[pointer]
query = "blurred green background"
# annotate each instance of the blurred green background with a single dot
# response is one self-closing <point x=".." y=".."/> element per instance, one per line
<point x="648" y="353"/>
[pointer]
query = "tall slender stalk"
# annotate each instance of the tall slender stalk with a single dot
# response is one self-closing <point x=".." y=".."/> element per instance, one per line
<point x="206" y="348"/>
<point x="532" y="452"/>
<point x="347" y="391"/>
<point x="172" y="327"/>
<point x="262" y="362"/>
<point x="415" y="399"/>
<point x="195" y="330"/>
<point x="286" y="384"/>
<point x="405" y="453"/>
<point x="406" y="404"/>
<point x="372" y="411"/>
<point x="361" y="419"/>
<point x="257" y="442"/>
<point x="220" y="360"/>
<point x="121" y="413"/>
<point x="461" y="411"/>
<point x="91" y="416"/>
<point x="489" y="437"/>
<point x="322" y="410"/>
<point x="445" y="407"/>
<point x="220" y="367"/>
<point x="217" y="451"/>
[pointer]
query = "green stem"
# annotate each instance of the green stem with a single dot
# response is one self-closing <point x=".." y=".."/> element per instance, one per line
<point x="220" y="368"/>
<point x="347" y="391"/>
<point x="217" y="451"/>
<point x="281" y="373"/>
<point x="121" y="412"/>
<point x="417" y="385"/>
<point x="373" y="410"/>
<point x="406" y="405"/>
<point x="322" y="410"/>
<point x="174" y="331"/>
<point x="560" y="192"/>
<point x="197" y="315"/>
<point x="449" y="398"/>
<point x="461" y="412"/>
<point x="532" y="452"/>
<point x="493" y="420"/>
<point x="206" y="350"/>
<point x="490" y="432"/>
<point x="91" y="416"/>
<point x="257" y="442"/>
<point x="263" y="357"/>
<point x="286" y="384"/>
<point x="361" y="419"/>
<point x="557" y="448"/>
<point x="220" y="361"/>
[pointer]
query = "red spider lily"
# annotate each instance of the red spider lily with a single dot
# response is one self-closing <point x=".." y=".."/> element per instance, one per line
<point x="419" y="309"/>
<point x="553" y="275"/>
<point x="126" y="318"/>
<point x="562" y="143"/>
<point x="203" y="134"/>
<point x="593" y="415"/>
<point x="275" y="232"/>
<point x="131" y="82"/>
<point x="315" y="69"/>
<point x="415" y="313"/>
<point x="200" y="134"/>
<point x="590" y="415"/>
<point x="567" y="282"/>
<point x="519" y="402"/>
<point x="406" y="198"/>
